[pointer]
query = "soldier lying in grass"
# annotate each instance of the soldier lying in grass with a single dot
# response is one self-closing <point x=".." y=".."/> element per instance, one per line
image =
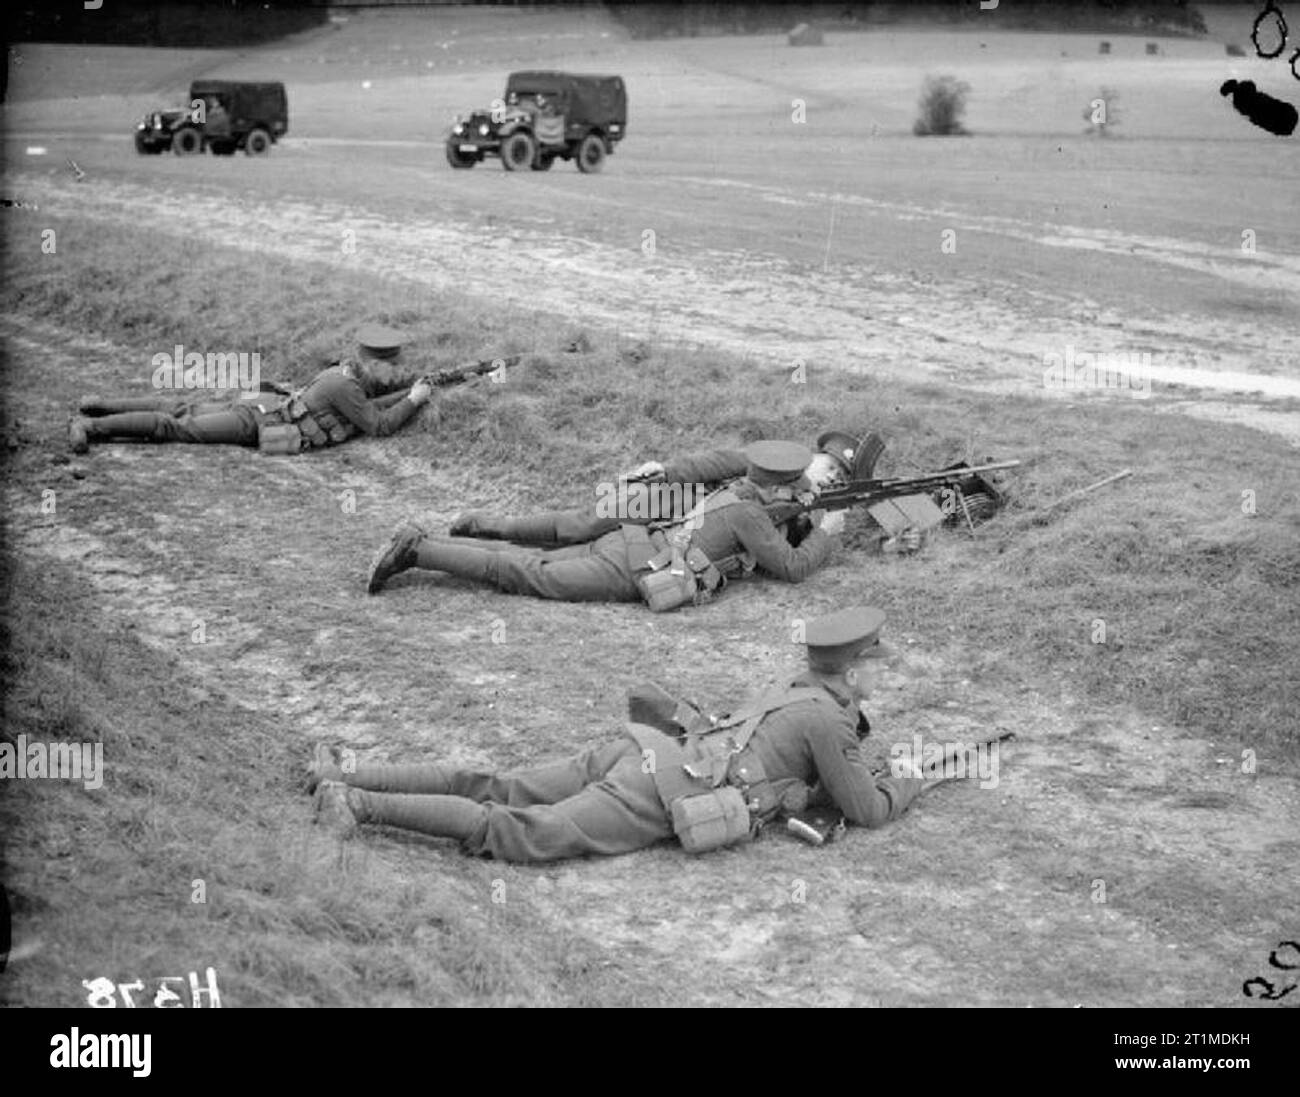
<point x="340" y="403"/>
<point x="655" y="492"/>
<point x="710" y="787"/>
<point x="727" y="535"/>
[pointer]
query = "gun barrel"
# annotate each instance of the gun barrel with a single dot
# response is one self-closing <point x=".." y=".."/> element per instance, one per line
<point x="460" y="373"/>
<point x="946" y="476"/>
<point x="860" y="492"/>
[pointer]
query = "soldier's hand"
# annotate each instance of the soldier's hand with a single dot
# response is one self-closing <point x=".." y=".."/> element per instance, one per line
<point x="651" y="470"/>
<point x="420" y="392"/>
<point x="830" y="523"/>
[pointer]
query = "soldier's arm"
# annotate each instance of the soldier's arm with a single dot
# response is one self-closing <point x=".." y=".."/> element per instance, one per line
<point x="706" y="468"/>
<point x="349" y="401"/>
<point x="770" y="548"/>
<point x="866" y="799"/>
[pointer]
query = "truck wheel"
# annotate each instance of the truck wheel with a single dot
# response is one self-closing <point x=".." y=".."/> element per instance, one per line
<point x="144" y="147"/>
<point x="591" y="153"/>
<point x="517" y="151"/>
<point x="187" y="141"/>
<point x="544" y="161"/>
<point x="257" y="143"/>
<point x="458" y="159"/>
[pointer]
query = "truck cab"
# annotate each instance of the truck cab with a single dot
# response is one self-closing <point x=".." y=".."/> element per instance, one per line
<point x="544" y="116"/>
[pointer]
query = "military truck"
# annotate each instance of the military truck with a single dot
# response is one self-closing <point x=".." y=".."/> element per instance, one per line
<point x="222" y="116"/>
<point x="543" y="117"/>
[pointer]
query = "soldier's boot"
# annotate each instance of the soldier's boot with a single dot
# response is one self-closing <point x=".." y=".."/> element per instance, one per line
<point x="131" y="424"/>
<point x="78" y="439"/>
<point x="333" y="809"/>
<point x="326" y="765"/>
<point x="397" y="556"/>
<point x="439" y="816"/>
<point x="467" y="561"/>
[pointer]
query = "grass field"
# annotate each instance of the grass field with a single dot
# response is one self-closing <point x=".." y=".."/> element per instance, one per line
<point x="1162" y="762"/>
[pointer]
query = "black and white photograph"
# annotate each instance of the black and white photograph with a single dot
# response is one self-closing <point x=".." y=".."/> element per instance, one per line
<point x="616" y="505"/>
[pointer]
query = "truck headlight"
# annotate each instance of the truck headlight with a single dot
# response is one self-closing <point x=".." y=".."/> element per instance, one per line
<point x="483" y="130"/>
<point x="458" y="129"/>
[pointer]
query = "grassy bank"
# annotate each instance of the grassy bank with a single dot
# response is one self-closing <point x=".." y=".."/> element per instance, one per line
<point x="200" y="800"/>
<point x="1197" y="597"/>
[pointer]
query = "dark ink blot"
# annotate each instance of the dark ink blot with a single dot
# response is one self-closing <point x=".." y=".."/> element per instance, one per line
<point x="1275" y="115"/>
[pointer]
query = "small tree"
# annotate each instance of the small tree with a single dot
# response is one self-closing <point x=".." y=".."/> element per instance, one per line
<point x="943" y="102"/>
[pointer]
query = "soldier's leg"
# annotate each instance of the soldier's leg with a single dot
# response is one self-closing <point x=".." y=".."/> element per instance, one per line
<point x="96" y="407"/>
<point x="550" y="528"/>
<point x="581" y="573"/>
<point x="620" y="813"/>
<point x="595" y="572"/>
<point x="567" y="575"/>
<point x="233" y="427"/>
<point x="237" y="426"/>
<point x="544" y="784"/>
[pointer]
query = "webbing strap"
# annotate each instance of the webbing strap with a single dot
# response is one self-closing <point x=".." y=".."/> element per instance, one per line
<point x="748" y="717"/>
<point x="680" y="530"/>
<point x="668" y="761"/>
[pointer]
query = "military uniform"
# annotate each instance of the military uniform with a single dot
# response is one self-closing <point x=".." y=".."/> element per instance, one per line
<point x="731" y="536"/>
<point x="684" y="484"/>
<point x="334" y="406"/>
<point x="627" y="794"/>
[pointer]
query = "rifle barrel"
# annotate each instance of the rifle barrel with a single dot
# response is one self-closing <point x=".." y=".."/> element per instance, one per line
<point x="460" y="373"/>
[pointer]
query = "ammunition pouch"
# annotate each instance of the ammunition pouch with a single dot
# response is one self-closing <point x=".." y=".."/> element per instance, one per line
<point x="711" y="820"/>
<point x="273" y="438"/>
<point x="295" y="411"/>
<point x="713" y="786"/>
<point x="746" y="774"/>
<point x="667" y="575"/>
<point x="705" y="814"/>
<point x="318" y="429"/>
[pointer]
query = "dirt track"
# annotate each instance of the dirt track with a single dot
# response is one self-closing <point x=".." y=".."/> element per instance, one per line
<point x="748" y="260"/>
<point x="768" y="308"/>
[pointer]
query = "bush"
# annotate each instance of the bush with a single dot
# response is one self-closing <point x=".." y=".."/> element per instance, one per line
<point x="943" y="102"/>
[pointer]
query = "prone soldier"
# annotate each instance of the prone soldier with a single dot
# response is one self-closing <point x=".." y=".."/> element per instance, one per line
<point x="661" y="492"/>
<point x="341" y="402"/>
<point x="338" y="404"/>
<point x="726" y="535"/>
<point x="709" y="781"/>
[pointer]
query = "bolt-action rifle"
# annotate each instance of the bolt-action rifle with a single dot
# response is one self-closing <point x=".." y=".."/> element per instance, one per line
<point x="454" y="376"/>
<point x="822" y="824"/>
